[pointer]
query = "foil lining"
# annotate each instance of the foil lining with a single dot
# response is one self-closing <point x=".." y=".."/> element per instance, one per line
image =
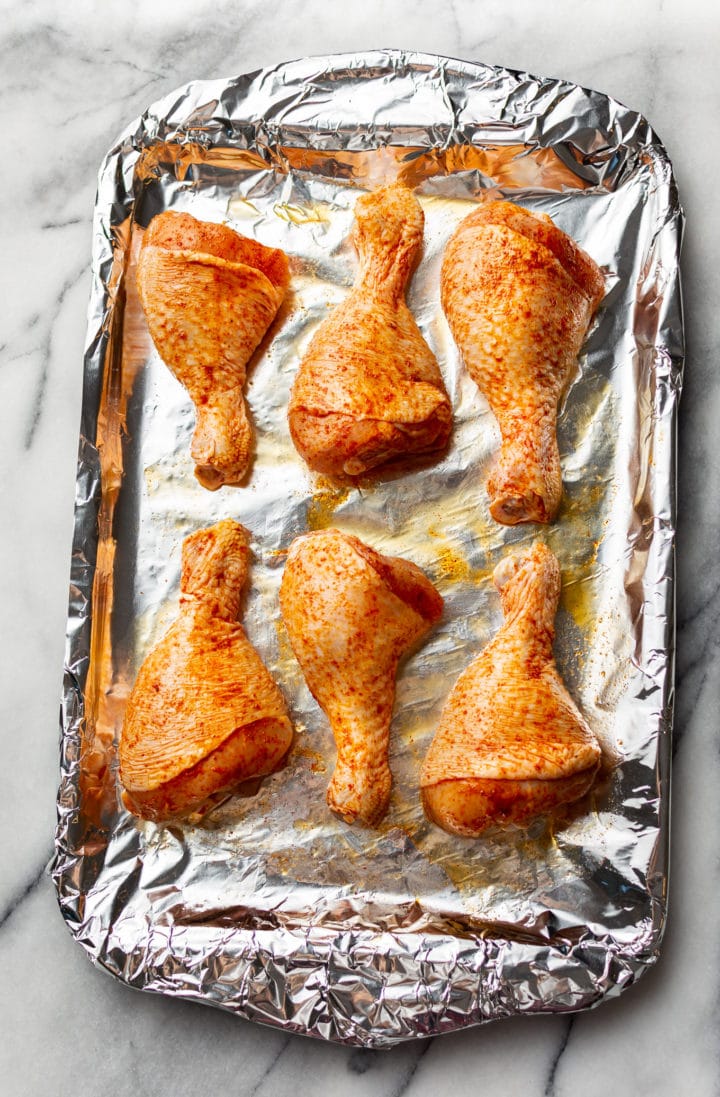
<point x="267" y="905"/>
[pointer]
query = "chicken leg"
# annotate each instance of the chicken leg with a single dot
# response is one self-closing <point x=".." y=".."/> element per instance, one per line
<point x="511" y="743"/>
<point x="350" y="614"/>
<point x="369" y="389"/>
<point x="209" y="296"/>
<point x="519" y="295"/>
<point x="204" y="713"/>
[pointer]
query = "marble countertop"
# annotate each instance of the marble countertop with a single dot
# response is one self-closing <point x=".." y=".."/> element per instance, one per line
<point x="72" y="77"/>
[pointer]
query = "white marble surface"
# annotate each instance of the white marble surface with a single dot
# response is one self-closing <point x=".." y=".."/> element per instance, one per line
<point x="71" y="77"/>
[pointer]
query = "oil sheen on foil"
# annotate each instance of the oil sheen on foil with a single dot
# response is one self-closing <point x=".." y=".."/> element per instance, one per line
<point x="267" y="905"/>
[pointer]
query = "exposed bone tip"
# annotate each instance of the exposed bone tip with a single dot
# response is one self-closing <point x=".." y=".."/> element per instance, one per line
<point x="512" y="510"/>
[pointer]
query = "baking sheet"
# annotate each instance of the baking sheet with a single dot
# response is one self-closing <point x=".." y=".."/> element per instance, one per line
<point x="268" y="905"/>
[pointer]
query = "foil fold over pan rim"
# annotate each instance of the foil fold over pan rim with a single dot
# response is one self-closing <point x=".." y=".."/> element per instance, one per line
<point x="316" y="981"/>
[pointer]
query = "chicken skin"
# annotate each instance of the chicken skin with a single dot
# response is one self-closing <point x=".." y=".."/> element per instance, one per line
<point x="369" y="389"/>
<point x="519" y="295"/>
<point x="511" y="744"/>
<point x="209" y="295"/>
<point x="351" y="614"/>
<point x="204" y="713"/>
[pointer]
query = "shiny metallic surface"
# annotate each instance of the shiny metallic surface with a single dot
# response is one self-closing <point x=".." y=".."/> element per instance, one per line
<point x="267" y="905"/>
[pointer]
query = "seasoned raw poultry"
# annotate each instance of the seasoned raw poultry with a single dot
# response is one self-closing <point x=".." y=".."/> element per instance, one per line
<point x="369" y="389"/>
<point x="204" y="713"/>
<point x="351" y="614"/>
<point x="511" y="743"/>
<point x="519" y="295"/>
<point x="209" y="296"/>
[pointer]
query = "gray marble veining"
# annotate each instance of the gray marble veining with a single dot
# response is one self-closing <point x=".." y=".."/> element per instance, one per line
<point x="72" y="78"/>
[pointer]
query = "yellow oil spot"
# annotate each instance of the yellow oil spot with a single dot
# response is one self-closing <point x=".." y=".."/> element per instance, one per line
<point x="317" y="762"/>
<point x="451" y="565"/>
<point x="298" y="215"/>
<point x="460" y="875"/>
<point x="454" y="567"/>
<point x="325" y="501"/>
<point x="242" y="207"/>
<point x="285" y="651"/>
<point x="579" y="598"/>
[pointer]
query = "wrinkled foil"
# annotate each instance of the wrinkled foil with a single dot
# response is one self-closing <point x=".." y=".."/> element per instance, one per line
<point x="267" y="905"/>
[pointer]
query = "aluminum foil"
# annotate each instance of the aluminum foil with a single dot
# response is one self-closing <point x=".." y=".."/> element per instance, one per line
<point x="267" y="905"/>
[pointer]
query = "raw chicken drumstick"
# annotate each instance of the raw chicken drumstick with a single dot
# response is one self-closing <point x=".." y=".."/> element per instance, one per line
<point x="511" y="743"/>
<point x="369" y="389"/>
<point x="209" y="296"/>
<point x="519" y="295"/>
<point x="204" y="713"/>
<point x="350" y="614"/>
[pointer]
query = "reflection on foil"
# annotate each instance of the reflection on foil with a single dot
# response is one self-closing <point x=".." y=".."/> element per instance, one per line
<point x="266" y="904"/>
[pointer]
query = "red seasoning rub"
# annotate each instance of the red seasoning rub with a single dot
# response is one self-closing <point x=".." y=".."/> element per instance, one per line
<point x="519" y="295"/>
<point x="351" y="614"/>
<point x="511" y="743"/>
<point x="204" y="713"/>
<point x="209" y="295"/>
<point x="369" y="390"/>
